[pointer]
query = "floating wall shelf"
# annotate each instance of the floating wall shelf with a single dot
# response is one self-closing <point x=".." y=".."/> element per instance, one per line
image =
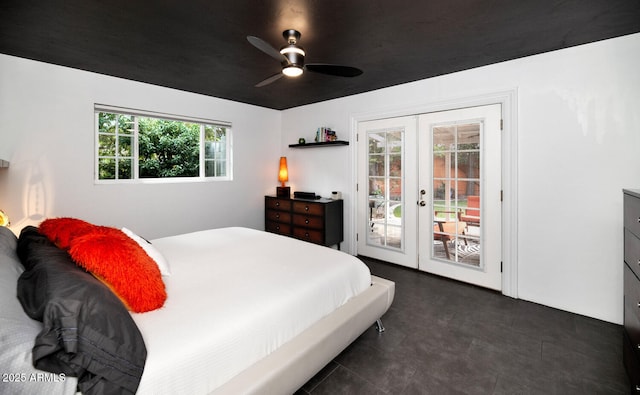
<point x="321" y="144"/>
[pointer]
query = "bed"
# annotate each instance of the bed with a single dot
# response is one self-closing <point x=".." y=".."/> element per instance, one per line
<point x="248" y="312"/>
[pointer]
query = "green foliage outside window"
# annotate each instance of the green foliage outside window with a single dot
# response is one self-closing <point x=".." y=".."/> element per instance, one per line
<point x="168" y="148"/>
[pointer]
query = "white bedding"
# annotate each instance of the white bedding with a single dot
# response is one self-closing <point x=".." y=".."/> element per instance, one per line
<point x="234" y="296"/>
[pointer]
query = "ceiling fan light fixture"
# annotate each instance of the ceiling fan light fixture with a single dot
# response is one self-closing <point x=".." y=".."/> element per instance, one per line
<point x="292" y="49"/>
<point x="292" y="70"/>
<point x="291" y="58"/>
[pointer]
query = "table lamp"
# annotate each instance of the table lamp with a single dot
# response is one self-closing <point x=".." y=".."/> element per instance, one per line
<point x="4" y="219"/>
<point x="283" y="176"/>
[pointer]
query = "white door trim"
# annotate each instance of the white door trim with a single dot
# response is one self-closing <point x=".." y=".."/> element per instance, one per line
<point x="509" y="101"/>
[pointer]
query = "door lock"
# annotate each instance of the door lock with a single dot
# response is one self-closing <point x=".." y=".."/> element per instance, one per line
<point x="421" y="202"/>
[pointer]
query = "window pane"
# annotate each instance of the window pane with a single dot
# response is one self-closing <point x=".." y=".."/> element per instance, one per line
<point x="124" y="168"/>
<point x="395" y="165"/>
<point x="168" y="148"/>
<point x="215" y="168"/>
<point x="124" y="146"/>
<point x="376" y="143"/>
<point x="376" y="165"/>
<point x="107" y="169"/>
<point x="106" y="145"/>
<point x="221" y="168"/>
<point x="376" y="187"/>
<point x="443" y="139"/>
<point x="395" y="189"/>
<point x="125" y="124"/>
<point x="469" y="136"/>
<point x="106" y="123"/>
<point x="394" y="142"/>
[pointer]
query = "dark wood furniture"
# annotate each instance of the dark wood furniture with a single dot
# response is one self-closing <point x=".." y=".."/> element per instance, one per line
<point x="631" y="341"/>
<point x="318" y="221"/>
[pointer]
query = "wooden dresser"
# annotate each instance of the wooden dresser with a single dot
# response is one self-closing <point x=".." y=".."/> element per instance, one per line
<point x="631" y="350"/>
<point x="318" y="221"/>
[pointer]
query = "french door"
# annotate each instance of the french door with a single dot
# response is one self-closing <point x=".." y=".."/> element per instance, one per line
<point x="429" y="193"/>
<point x="460" y="210"/>
<point x="386" y="190"/>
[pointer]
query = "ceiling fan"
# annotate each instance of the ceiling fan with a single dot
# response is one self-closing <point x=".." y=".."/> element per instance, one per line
<point x="291" y="58"/>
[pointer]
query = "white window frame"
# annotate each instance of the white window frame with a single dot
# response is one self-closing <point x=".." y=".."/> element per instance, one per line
<point x="102" y="108"/>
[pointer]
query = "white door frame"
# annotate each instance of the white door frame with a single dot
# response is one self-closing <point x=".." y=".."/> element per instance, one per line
<point x="509" y="101"/>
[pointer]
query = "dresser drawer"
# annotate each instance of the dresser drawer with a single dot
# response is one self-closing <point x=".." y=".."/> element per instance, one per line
<point x="314" y="236"/>
<point x="632" y="308"/>
<point x="278" y="204"/>
<point x="632" y="364"/>
<point x="308" y="221"/>
<point x="308" y="208"/>
<point x="277" y="227"/>
<point x="632" y="214"/>
<point x="278" y="216"/>
<point x="632" y="251"/>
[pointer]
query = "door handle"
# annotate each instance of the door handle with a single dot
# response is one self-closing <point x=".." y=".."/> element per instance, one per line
<point x="421" y="202"/>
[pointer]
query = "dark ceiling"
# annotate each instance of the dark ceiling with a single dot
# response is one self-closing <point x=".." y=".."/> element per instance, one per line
<point x="200" y="45"/>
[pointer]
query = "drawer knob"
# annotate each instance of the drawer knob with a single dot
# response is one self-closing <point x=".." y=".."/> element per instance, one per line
<point x="306" y="234"/>
<point x="306" y="208"/>
<point x="278" y="216"/>
<point x="277" y="227"/>
<point x="277" y="204"/>
<point x="306" y="221"/>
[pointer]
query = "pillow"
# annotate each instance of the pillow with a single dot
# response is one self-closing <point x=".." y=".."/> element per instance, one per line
<point x="121" y="264"/>
<point x="18" y="333"/>
<point x="153" y="253"/>
<point x="84" y="330"/>
<point x="62" y="230"/>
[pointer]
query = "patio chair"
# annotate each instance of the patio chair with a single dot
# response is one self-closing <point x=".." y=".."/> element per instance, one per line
<point x="471" y="215"/>
<point x="446" y="231"/>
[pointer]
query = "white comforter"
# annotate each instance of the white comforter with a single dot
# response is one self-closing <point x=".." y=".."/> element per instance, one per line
<point x="234" y="296"/>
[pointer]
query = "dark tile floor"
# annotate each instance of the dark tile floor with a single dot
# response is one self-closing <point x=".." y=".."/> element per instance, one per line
<point x="444" y="337"/>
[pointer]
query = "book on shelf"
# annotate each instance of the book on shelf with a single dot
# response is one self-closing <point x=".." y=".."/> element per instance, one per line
<point x="325" y="134"/>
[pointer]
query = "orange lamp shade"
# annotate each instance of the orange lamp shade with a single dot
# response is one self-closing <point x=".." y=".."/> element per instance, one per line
<point x="4" y="219"/>
<point x="283" y="173"/>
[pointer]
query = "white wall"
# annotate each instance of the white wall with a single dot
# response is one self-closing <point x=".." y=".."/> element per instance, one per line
<point x="47" y="134"/>
<point x="579" y="137"/>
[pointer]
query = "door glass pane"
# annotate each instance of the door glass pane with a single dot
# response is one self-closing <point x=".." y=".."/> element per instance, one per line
<point x="385" y="183"/>
<point x="456" y="193"/>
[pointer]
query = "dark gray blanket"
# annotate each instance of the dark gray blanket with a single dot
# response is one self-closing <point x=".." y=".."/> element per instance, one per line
<point x="88" y="333"/>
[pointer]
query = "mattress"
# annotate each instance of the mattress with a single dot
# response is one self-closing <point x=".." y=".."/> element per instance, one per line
<point x="234" y="296"/>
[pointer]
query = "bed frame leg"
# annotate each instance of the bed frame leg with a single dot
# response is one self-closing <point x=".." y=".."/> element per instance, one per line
<point x="379" y="326"/>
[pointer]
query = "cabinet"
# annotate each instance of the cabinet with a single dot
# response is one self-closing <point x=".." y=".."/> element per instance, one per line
<point x="317" y="221"/>
<point x="631" y="336"/>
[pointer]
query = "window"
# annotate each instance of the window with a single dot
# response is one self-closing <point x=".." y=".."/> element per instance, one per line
<point x="137" y="145"/>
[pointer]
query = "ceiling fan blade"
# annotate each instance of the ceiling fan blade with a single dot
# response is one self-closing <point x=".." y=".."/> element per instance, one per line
<point x="266" y="48"/>
<point x="333" y="69"/>
<point x="269" y="80"/>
